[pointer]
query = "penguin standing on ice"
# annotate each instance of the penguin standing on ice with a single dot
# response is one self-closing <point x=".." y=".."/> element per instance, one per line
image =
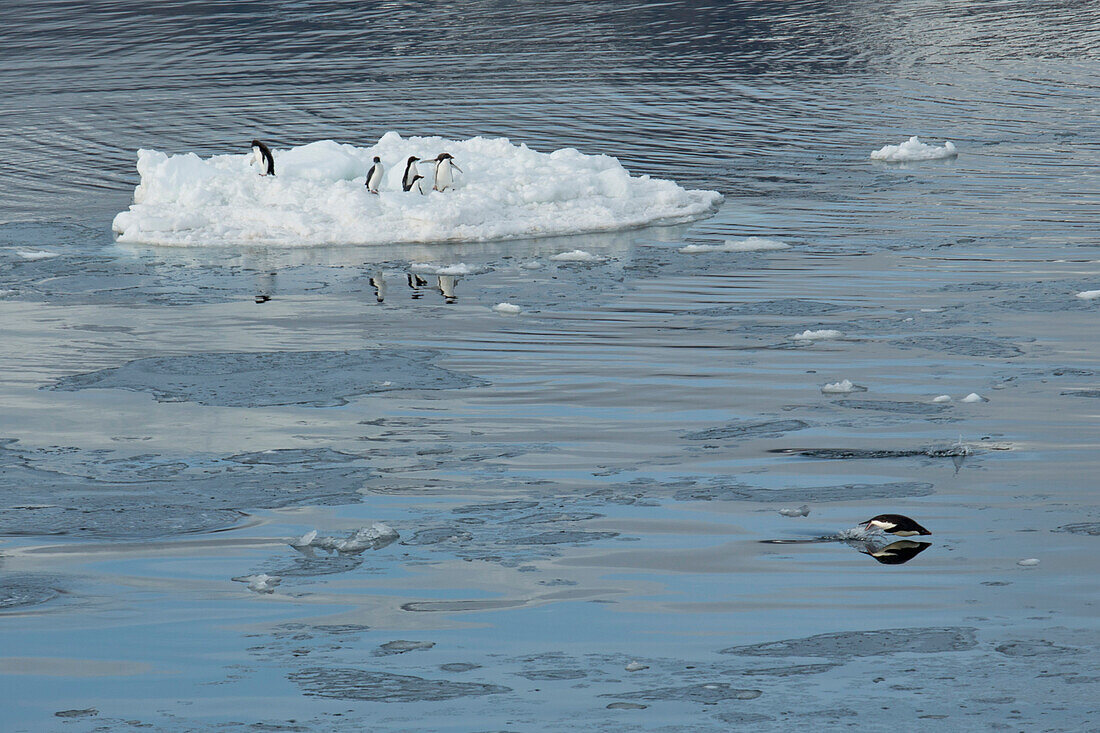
<point x="374" y="175"/>
<point x="412" y="174"/>
<point x="444" y="178"/>
<point x="262" y="154"/>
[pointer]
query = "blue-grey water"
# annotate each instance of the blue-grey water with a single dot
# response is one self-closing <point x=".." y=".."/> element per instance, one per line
<point x="587" y="493"/>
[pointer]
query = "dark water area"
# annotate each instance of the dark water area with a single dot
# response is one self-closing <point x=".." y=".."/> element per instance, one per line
<point x="630" y="505"/>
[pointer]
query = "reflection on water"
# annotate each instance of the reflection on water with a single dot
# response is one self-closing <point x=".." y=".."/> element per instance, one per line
<point x="895" y="553"/>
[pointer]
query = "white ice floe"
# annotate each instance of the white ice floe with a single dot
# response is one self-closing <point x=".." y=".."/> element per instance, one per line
<point x="942" y="398"/>
<point x="457" y="269"/>
<point x="636" y="667"/>
<point x="317" y="196"/>
<point x="1028" y="563"/>
<point x="913" y="149"/>
<point x="844" y="386"/>
<point x="36" y="254"/>
<point x="974" y="397"/>
<point x="532" y="265"/>
<point x="262" y="583"/>
<point x="1089" y="294"/>
<point x="376" y="536"/>
<point x="507" y="309"/>
<point x="819" y="335"/>
<point x="576" y="255"/>
<point x="749" y="244"/>
<point x="802" y="511"/>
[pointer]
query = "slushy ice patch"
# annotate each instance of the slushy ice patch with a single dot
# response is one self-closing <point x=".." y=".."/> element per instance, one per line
<point x="505" y="191"/>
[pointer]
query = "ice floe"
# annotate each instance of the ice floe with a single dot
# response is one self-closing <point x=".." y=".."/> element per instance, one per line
<point x="635" y="667"/>
<point x="819" y="335"/>
<point x="261" y="583"/>
<point x="36" y="254"/>
<point x="1089" y="294"/>
<point x="375" y="537"/>
<point x="974" y="397"/>
<point x="749" y="244"/>
<point x="506" y="191"/>
<point x="458" y="269"/>
<point x="576" y="255"/>
<point x="942" y="398"/>
<point x="507" y="309"/>
<point x="1028" y="562"/>
<point x="802" y="511"/>
<point x="844" y="386"/>
<point x="912" y="150"/>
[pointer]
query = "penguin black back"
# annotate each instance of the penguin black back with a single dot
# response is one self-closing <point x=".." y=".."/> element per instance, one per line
<point x="264" y="157"/>
<point x="898" y="524"/>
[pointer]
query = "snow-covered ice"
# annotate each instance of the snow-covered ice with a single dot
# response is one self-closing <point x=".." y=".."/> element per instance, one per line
<point x="844" y="386"/>
<point x="942" y="398"/>
<point x="1089" y="294"/>
<point x="974" y="397"/>
<point x="317" y="196"/>
<point x="819" y="335"/>
<point x="576" y="255"/>
<point x="635" y="667"/>
<point x="802" y="511"/>
<point x="913" y="149"/>
<point x="749" y="244"/>
<point x="35" y="254"/>
<point x="507" y="308"/>
<point x="1028" y="562"/>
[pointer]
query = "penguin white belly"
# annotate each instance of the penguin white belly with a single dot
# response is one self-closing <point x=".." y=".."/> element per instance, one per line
<point x="375" y="178"/>
<point x="444" y="178"/>
<point x="258" y="159"/>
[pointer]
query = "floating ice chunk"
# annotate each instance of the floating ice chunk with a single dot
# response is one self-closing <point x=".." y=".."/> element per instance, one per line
<point x="305" y="540"/>
<point x="457" y="269"/>
<point x="35" y="254"/>
<point x="262" y="583"/>
<point x="1028" y="563"/>
<point x="749" y="244"/>
<point x="942" y="398"/>
<point x="802" y="511"/>
<point x="507" y="308"/>
<point x="974" y="397"/>
<point x="844" y="386"/>
<point x="375" y="537"/>
<point x="636" y="667"/>
<point x="317" y="197"/>
<point x="1089" y="294"/>
<point x="576" y="255"/>
<point x="5" y="292"/>
<point x="532" y="265"/>
<point x="819" y="335"/>
<point x="913" y="149"/>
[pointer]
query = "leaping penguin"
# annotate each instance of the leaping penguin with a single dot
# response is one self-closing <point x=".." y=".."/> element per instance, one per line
<point x="262" y="154"/>
<point x="374" y="175"/>
<point x="897" y="524"/>
<point x="444" y="179"/>
<point x="411" y="174"/>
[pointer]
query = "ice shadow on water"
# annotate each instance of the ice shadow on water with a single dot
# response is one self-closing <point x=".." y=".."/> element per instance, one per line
<point x="265" y="379"/>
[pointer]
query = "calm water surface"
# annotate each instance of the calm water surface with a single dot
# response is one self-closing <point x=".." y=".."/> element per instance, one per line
<point x="595" y="481"/>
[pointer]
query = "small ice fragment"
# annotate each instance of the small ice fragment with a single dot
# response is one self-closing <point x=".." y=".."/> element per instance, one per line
<point x="802" y="511"/>
<point x="261" y="583"/>
<point x="533" y="265"/>
<point x="376" y="536"/>
<point x="1089" y="294"/>
<point x="913" y="149"/>
<point x="844" y="386"/>
<point x="507" y="308"/>
<point x="457" y="269"/>
<point x="974" y="397"/>
<point x="749" y="244"/>
<point x="930" y="310"/>
<point x="35" y="254"/>
<point x="821" y="334"/>
<point x="636" y="667"/>
<point x="576" y="255"/>
<point x="942" y="398"/>
<point x="1028" y="563"/>
<point x="305" y="540"/>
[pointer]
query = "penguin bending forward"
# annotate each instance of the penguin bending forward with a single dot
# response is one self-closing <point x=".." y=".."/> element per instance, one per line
<point x="374" y="175"/>
<point x="262" y="154"/>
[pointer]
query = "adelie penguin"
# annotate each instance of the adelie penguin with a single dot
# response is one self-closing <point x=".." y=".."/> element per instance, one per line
<point x="411" y="175"/>
<point x="262" y="154"/>
<point x="895" y="524"/>
<point x="444" y="178"/>
<point x="374" y="175"/>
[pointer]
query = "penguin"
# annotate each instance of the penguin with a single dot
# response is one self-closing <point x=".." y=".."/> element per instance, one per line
<point x="896" y="524"/>
<point x="444" y="179"/>
<point x="374" y="175"/>
<point x="418" y="184"/>
<point x="262" y="154"/>
<point x="411" y="174"/>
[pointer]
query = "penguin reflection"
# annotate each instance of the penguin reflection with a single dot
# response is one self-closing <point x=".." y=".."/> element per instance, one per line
<point x="896" y="553"/>
<point x="447" y="287"/>
<point x="415" y="283"/>
<point x="379" y="285"/>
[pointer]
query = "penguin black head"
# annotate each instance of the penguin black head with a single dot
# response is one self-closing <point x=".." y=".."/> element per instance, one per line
<point x="444" y="156"/>
<point x="256" y="143"/>
<point x="412" y="159"/>
<point x="897" y="524"/>
<point x="377" y="159"/>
